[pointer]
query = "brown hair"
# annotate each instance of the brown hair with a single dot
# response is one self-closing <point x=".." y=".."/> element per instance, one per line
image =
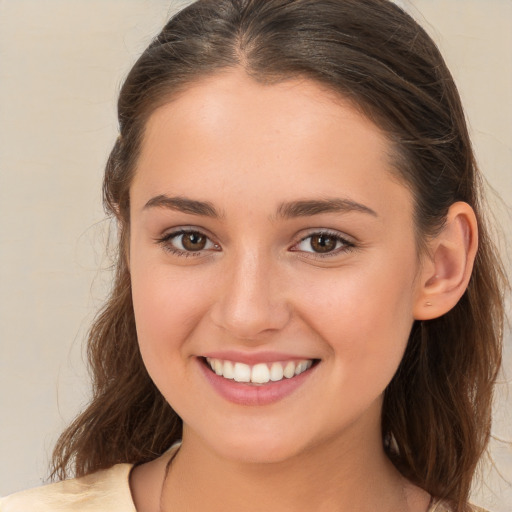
<point x="437" y="409"/>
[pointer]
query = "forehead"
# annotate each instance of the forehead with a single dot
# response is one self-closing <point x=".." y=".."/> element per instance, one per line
<point x="228" y="132"/>
<point x="295" y="108"/>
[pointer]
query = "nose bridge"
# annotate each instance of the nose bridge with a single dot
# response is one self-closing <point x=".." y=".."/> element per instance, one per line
<point x="249" y="302"/>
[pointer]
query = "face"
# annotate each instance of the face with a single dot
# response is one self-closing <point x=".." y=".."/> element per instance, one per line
<point x="269" y="238"/>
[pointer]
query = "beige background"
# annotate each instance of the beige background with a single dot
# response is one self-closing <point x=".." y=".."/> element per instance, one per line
<point x="61" y="64"/>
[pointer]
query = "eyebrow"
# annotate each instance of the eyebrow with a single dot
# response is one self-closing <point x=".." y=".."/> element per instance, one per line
<point x="303" y="208"/>
<point x="182" y="204"/>
<point x="307" y="208"/>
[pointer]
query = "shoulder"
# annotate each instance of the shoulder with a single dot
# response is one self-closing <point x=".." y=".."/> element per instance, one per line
<point x="108" y="489"/>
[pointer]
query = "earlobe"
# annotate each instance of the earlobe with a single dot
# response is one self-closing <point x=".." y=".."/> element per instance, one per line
<point x="445" y="276"/>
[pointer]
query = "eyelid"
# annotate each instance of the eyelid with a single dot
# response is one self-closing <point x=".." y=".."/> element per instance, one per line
<point x="166" y="241"/>
<point x="348" y="244"/>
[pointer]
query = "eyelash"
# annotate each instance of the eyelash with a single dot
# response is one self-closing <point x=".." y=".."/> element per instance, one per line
<point x="166" y="242"/>
<point x="346" y="245"/>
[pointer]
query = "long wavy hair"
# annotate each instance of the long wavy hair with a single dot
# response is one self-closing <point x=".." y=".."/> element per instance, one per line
<point x="437" y="408"/>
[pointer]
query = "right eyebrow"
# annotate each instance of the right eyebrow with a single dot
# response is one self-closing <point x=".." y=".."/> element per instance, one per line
<point x="182" y="204"/>
<point x="310" y="207"/>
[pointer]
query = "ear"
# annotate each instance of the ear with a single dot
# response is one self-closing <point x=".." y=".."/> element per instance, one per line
<point x="447" y="269"/>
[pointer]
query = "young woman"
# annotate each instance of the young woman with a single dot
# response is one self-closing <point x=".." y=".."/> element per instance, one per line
<point x="307" y="311"/>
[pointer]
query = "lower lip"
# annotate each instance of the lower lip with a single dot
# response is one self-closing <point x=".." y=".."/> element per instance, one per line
<point x="247" y="394"/>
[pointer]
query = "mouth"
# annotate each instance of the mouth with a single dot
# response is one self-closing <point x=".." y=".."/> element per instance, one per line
<point x="259" y="374"/>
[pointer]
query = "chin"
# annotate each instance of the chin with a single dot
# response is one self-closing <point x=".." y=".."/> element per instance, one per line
<point x="255" y="447"/>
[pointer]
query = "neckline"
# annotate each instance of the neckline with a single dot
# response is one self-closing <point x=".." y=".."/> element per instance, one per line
<point x="168" y="456"/>
<point x="171" y="452"/>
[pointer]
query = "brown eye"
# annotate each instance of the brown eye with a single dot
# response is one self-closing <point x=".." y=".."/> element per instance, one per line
<point x="193" y="241"/>
<point x="323" y="243"/>
<point x="188" y="243"/>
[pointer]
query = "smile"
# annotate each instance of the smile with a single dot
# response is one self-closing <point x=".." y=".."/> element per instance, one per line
<point x="257" y="384"/>
<point x="260" y="373"/>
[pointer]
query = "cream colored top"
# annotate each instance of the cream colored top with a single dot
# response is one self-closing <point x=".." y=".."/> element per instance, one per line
<point x="106" y="490"/>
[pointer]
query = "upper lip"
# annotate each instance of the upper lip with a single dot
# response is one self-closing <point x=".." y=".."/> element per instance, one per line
<point x="252" y="358"/>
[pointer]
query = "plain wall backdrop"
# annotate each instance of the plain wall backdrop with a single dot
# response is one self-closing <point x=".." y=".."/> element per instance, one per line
<point x="61" y="65"/>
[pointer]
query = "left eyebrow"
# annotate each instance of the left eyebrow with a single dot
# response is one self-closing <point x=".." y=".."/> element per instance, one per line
<point x="310" y="207"/>
<point x="183" y="204"/>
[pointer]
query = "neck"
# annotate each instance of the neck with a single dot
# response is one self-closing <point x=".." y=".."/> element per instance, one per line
<point x="334" y="475"/>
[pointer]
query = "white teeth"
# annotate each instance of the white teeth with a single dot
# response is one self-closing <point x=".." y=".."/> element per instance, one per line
<point x="218" y="366"/>
<point x="276" y="372"/>
<point x="301" y="367"/>
<point x="229" y="370"/>
<point x="289" y="370"/>
<point x="242" y="372"/>
<point x="260" y="373"/>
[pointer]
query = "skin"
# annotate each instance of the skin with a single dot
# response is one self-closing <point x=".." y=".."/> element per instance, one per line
<point x="258" y="285"/>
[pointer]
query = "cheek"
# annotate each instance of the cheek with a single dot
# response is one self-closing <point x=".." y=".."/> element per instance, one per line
<point x="167" y="307"/>
<point x="365" y="318"/>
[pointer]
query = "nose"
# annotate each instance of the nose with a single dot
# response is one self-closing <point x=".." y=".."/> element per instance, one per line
<point x="250" y="301"/>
